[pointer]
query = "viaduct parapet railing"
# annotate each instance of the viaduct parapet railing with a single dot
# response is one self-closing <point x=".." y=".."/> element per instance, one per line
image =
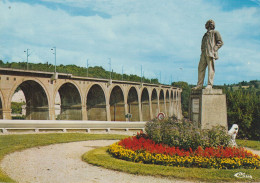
<point x="85" y="98"/>
<point x="70" y="126"/>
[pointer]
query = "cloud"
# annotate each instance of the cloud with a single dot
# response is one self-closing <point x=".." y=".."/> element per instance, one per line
<point x="256" y="1"/>
<point x="162" y="36"/>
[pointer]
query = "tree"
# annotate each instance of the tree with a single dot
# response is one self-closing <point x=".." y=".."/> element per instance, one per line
<point x="243" y="109"/>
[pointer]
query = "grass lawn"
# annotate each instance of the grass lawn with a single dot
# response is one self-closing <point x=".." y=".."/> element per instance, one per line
<point x="253" y="144"/>
<point x="100" y="157"/>
<point x="11" y="143"/>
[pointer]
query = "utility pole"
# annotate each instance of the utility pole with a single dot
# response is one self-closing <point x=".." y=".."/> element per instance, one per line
<point x="181" y="73"/>
<point x="122" y="73"/>
<point x="87" y="67"/>
<point x="54" y="48"/>
<point x="141" y="73"/>
<point x="160" y="77"/>
<point x="27" y="55"/>
<point x="109" y="67"/>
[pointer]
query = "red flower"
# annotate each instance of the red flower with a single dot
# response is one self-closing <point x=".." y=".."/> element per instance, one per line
<point x="145" y="144"/>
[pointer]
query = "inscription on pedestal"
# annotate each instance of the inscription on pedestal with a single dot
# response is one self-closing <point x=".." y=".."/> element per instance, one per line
<point x="195" y="105"/>
<point x="195" y="110"/>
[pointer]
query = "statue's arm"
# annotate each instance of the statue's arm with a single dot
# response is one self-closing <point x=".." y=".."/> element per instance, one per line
<point x="202" y="42"/>
<point x="218" y="40"/>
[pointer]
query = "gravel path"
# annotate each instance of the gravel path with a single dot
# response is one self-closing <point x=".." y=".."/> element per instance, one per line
<point x="254" y="151"/>
<point x="61" y="163"/>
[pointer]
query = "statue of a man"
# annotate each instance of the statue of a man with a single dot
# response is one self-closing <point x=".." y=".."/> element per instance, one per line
<point x="210" y="44"/>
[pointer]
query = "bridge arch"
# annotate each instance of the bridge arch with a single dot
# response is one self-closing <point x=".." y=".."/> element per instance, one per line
<point x="178" y="99"/>
<point x="167" y="101"/>
<point x="171" y="103"/>
<point x="161" y="101"/>
<point x="145" y="105"/>
<point x="37" y="99"/>
<point x="133" y="104"/>
<point x="175" y="102"/>
<point x="70" y="101"/>
<point x="154" y="99"/>
<point x="96" y="103"/>
<point x="2" y="104"/>
<point x="116" y="85"/>
<point x="117" y="104"/>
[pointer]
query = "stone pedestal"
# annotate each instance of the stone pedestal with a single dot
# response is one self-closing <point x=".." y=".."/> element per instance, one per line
<point x="208" y="108"/>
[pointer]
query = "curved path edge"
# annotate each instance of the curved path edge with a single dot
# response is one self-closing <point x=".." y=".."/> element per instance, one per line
<point x="61" y="163"/>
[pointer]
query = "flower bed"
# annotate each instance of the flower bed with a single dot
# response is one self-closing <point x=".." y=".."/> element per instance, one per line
<point x="145" y="150"/>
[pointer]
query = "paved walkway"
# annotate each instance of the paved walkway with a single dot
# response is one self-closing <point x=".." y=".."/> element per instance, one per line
<point x="61" y="163"/>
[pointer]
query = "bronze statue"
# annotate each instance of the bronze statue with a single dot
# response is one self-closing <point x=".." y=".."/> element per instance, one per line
<point x="210" y="44"/>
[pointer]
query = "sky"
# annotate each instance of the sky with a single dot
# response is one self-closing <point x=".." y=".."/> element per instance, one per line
<point x="161" y="37"/>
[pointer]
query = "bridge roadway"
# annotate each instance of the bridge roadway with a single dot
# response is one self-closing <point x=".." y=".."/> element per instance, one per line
<point x="85" y="98"/>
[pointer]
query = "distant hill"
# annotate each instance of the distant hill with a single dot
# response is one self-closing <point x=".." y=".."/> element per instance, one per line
<point x="96" y="72"/>
<point x="247" y="86"/>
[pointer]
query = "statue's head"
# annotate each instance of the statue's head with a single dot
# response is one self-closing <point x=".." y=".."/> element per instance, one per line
<point x="210" y="24"/>
<point x="233" y="130"/>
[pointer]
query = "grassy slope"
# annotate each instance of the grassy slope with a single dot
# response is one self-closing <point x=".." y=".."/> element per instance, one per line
<point x="100" y="157"/>
<point x="11" y="143"/>
<point x="249" y="143"/>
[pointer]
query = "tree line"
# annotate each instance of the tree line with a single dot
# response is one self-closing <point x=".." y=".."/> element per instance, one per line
<point x="95" y="72"/>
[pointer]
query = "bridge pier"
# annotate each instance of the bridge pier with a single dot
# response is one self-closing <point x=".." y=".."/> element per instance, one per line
<point x="7" y="114"/>
<point x="108" y="112"/>
<point x="164" y="104"/>
<point x="140" y="111"/>
<point x="150" y="107"/>
<point x="175" y="104"/>
<point x="126" y="109"/>
<point x="52" y="115"/>
<point x="179" y="113"/>
<point x="84" y="113"/>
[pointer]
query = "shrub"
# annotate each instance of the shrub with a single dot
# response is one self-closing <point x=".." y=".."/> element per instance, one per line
<point x="19" y="117"/>
<point x="17" y="107"/>
<point x="185" y="135"/>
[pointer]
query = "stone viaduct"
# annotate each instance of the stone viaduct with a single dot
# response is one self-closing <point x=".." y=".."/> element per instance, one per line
<point x="84" y="98"/>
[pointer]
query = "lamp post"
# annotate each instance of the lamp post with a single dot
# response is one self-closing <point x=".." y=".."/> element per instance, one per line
<point x="27" y="55"/>
<point x="54" y="48"/>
